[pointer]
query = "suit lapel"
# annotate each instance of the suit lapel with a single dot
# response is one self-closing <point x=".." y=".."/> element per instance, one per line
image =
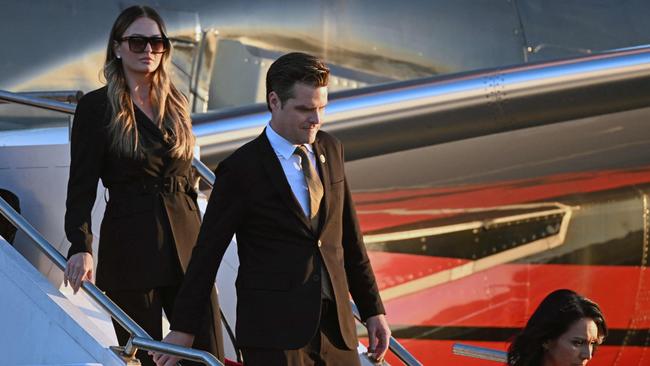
<point x="278" y="179"/>
<point x="319" y="152"/>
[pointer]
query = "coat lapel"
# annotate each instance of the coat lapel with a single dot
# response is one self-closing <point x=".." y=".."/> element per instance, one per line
<point x="278" y="179"/>
<point x="148" y="125"/>
<point x="319" y="151"/>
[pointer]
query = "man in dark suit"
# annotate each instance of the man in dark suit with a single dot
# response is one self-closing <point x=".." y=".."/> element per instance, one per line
<point x="301" y="251"/>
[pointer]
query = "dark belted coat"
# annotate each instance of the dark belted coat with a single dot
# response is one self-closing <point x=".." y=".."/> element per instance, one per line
<point x="151" y="220"/>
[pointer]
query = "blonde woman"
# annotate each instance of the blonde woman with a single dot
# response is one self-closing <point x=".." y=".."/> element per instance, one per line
<point x="135" y="135"/>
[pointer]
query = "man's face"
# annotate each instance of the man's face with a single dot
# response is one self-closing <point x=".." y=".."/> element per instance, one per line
<point x="300" y="117"/>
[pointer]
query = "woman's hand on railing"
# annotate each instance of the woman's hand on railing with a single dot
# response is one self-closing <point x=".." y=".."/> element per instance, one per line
<point x="79" y="268"/>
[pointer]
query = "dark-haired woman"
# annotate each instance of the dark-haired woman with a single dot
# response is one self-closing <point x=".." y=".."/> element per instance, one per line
<point x="564" y="330"/>
<point x="135" y="135"/>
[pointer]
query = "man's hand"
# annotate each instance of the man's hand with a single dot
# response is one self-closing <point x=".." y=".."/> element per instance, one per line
<point x="79" y="268"/>
<point x="174" y="337"/>
<point x="378" y="337"/>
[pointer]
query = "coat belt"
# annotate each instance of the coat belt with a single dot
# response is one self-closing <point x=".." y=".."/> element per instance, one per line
<point x="168" y="184"/>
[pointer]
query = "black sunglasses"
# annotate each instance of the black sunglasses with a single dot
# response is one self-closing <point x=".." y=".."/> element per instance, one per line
<point x="138" y="44"/>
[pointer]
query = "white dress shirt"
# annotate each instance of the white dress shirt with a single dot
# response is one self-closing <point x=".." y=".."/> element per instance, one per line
<point x="291" y="166"/>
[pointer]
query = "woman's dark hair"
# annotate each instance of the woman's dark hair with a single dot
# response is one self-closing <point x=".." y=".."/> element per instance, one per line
<point x="552" y="318"/>
<point x="292" y="68"/>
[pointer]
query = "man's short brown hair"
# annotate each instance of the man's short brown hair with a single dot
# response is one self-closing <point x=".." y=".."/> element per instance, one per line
<point x="292" y="68"/>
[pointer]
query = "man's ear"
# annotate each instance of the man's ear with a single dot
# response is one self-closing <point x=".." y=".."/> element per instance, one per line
<point x="274" y="101"/>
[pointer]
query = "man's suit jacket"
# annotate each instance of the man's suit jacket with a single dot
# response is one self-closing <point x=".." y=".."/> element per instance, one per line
<point x="279" y="284"/>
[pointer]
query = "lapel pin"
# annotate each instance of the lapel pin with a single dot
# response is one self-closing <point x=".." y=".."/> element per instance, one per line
<point x="322" y="158"/>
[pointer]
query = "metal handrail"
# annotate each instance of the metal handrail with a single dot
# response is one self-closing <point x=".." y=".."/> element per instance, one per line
<point x="395" y="347"/>
<point x="41" y="103"/>
<point x="174" y="350"/>
<point x="140" y="338"/>
<point x="65" y="96"/>
<point x="479" y="352"/>
<point x="405" y="356"/>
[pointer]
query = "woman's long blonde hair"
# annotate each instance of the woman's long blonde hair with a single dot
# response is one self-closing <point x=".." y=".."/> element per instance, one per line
<point x="170" y="107"/>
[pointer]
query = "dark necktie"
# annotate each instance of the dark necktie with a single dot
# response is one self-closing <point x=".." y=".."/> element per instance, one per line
<point x="313" y="183"/>
<point x="315" y="196"/>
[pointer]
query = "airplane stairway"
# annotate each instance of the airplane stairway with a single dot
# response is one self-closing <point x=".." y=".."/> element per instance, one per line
<point x="40" y="326"/>
<point x="74" y="328"/>
<point x="44" y="327"/>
